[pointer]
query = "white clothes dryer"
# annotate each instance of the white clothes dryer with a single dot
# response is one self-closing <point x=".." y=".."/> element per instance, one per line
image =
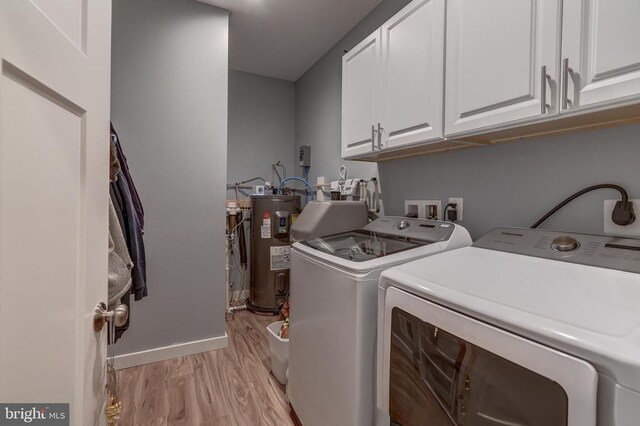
<point x="526" y="327"/>
<point x="334" y="312"/>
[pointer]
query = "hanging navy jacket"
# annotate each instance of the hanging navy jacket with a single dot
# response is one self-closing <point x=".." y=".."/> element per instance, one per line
<point x="127" y="202"/>
<point x="124" y="168"/>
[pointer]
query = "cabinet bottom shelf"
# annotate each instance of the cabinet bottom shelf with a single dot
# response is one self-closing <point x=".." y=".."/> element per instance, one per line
<point x="586" y="120"/>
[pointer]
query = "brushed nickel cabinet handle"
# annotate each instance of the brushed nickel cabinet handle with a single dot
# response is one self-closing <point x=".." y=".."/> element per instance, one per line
<point x="566" y="71"/>
<point x="544" y="106"/>
<point x="373" y="137"/>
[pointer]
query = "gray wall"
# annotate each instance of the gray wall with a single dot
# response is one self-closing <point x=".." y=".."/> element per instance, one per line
<point x="319" y="101"/>
<point x="516" y="183"/>
<point x="169" y="105"/>
<point x="261" y="125"/>
<point x="261" y="132"/>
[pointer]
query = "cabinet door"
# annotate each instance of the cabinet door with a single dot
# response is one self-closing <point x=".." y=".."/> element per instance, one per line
<point x="601" y="57"/>
<point x="359" y="80"/>
<point x="496" y="51"/>
<point x="412" y="74"/>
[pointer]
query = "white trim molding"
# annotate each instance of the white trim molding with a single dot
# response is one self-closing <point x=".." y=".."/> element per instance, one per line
<point x="168" y="352"/>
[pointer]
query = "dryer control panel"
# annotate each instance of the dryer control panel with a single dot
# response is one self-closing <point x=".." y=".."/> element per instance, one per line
<point x="585" y="249"/>
<point x="411" y="228"/>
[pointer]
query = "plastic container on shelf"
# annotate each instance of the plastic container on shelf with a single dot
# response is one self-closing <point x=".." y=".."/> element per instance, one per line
<point x="279" y="352"/>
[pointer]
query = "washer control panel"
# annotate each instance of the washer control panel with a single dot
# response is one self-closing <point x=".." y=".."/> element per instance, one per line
<point x="411" y="228"/>
<point x="585" y="249"/>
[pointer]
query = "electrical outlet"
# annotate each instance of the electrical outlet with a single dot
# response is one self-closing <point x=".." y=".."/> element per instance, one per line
<point x="458" y="202"/>
<point x="611" y="228"/>
<point x="420" y="208"/>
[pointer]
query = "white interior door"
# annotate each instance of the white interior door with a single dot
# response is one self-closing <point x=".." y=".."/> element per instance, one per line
<point x="359" y="81"/>
<point x="496" y="51"/>
<point x="600" y="47"/>
<point x="54" y="146"/>
<point x="412" y="74"/>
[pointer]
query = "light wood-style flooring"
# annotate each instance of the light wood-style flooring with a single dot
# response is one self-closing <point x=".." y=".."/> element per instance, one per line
<point x="232" y="386"/>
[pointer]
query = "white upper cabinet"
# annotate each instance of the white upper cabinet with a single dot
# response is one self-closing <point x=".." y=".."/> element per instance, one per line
<point x="412" y="75"/>
<point x="442" y="74"/>
<point x="359" y="87"/>
<point x="600" y="52"/>
<point x="499" y="54"/>
<point x="393" y="82"/>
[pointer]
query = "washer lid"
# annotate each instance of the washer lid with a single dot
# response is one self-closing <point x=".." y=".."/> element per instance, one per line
<point x="361" y="245"/>
<point x="590" y="312"/>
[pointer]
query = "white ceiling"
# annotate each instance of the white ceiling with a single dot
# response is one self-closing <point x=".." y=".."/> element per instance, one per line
<point x="284" y="38"/>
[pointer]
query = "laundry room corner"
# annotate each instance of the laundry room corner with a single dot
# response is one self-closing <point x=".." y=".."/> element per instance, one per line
<point x="320" y="212"/>
<point x="318" y="103"/>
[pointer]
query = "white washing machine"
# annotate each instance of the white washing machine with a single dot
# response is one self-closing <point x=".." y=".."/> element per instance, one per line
<point x="334" y="309"/>
<point x="526" y="327"/>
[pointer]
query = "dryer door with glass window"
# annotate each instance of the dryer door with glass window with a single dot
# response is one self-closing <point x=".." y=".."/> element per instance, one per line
<point x="454" y="370"/>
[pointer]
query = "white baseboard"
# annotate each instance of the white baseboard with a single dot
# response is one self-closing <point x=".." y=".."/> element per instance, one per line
<point x="168" y="352"/>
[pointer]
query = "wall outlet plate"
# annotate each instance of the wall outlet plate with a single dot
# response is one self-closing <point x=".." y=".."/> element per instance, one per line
<point x="412" y="208"/>
<point x="458" y="202"/>
<point x="611" y="228"/>
<point x="420" y="208"/>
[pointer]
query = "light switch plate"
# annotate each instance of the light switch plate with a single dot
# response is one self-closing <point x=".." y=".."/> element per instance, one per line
<point x="611" y="228"/>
